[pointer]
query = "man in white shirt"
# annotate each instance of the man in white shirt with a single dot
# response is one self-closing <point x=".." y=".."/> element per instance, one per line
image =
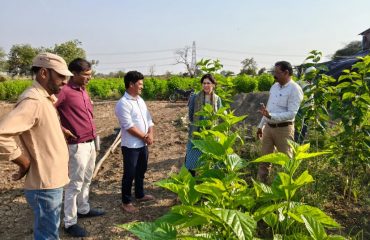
<point x="278" y="117"/>
<point x="137" y="133"/>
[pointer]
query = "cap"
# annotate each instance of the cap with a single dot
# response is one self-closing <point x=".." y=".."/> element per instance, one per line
<point x="52" y="61"/>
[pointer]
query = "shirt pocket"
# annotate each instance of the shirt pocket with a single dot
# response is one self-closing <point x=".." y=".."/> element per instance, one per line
<point x="282" y="100"/>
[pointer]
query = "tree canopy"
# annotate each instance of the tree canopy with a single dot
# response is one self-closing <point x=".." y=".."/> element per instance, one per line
<point x="349" y="50"/>
<point x="20" y="56"/>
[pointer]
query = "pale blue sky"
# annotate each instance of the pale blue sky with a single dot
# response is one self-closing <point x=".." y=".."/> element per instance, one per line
<point x="137" y="34"/>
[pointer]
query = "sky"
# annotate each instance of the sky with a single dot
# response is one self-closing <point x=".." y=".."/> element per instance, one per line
<point x="145" y="34"/>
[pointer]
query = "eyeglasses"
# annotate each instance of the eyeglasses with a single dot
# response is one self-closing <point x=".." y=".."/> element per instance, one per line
<point x="84" y="75"/>
<point x="207" y="83"/>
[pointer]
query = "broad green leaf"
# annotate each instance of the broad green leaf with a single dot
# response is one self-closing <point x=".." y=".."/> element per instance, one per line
<point x="183" y="185"/>
<point x="302" y="155"/>
<point x="303" y="179"/>
<point x="244" y="200"/>
<point x="151" y="231"/>
<point x="314" y="227"/>
<point x="275" y="158"/>
<point x="261" y="188"/>
<point x="271" y="219"/>
<point x="182" y="221"/>
<point x="201" y="236"/>
<point x="210" y="147"/>
<point x="335" y="237"/>
<point x="234" y="162"/>
<point x="286" y="184"/>
<point x="297" y="236"/>
<point x="303" y="148"/>
<point x="213" y="187"/>
<point x="343" y="84"/>
<point x="348" y="95"/>
<point x="230" y="141"/>
<point x="199" y="211"/>
<point x="262" y="211"/>
<point x="242" y="224"/>
<point x="313" y="212"/>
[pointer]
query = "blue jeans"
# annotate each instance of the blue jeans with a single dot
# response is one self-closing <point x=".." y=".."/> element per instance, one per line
<point x="46" y="205"/>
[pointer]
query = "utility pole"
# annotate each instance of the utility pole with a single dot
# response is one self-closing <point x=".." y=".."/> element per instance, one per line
<point x="194" y="59"/>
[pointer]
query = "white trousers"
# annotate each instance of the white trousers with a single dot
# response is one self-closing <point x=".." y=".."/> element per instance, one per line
<point x="80" y="170"/>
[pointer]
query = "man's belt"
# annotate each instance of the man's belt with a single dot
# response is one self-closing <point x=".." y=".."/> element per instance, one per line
<point x="283" y="124"/>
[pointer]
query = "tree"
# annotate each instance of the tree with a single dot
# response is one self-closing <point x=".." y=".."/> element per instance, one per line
<point x="183" y="58"/>
<point x="70" y="50"/>
<point x="227" y="73"/>
<point x="151" y="71"/>
<point x="249" y="66"/>
<point x="349" y="50"/>
<point x="20" y="59"/>
<point x="261" y="71"/>
<point x="2" y="60"/>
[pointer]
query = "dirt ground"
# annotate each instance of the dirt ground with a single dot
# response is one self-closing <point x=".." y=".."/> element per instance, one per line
<point x="165" y="155"/>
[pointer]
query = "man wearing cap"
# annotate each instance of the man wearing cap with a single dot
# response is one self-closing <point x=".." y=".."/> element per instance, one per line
<point x="278" y="117"/>
<point x="76" y="116"/>
<point x="42" y="155"/>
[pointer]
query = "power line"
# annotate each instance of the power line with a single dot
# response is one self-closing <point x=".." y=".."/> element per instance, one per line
<point x="250" y="53"/>
<point x="133" y="61"/>
<point x="132" y="52"/>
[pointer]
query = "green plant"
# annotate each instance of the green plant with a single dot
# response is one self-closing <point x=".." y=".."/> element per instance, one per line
<point x="265" y="81"/>
<point x="245" y="83"/>
<point x="277" y="205"/>
<point x="352" y="144"/>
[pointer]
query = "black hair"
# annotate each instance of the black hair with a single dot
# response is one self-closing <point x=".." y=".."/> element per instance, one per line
<point x="132" y="77"/>
<point x="284" y="66"/>
<point x="208" y="76"/>
<point x="79" y="65"/>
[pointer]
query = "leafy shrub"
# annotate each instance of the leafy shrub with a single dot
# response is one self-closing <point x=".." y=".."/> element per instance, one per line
<point x="11" y="89"/>
<point x="245" y="83"/>
<point x="106" y="88"/>
<point x="149" y="89"/>
<point x="181" y="83"/>
<point x="161" y="88"/>
<point x="265" y="82"/>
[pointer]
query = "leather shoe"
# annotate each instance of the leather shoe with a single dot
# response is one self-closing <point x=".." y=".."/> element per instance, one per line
<point x="92" y="213"/>
<point x="129" y="208"/>
<point x="146" y="198"/>
<point x="76" y="231"/>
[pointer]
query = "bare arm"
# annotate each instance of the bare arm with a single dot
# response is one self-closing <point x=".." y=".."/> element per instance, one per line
<point x="24" y="165"/>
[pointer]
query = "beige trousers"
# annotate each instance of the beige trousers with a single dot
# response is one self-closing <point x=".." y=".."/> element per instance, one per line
<point x="274" y="138"/>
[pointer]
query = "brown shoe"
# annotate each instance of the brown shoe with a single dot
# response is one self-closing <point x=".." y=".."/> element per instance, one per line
<point x="146" y="198"/>
<point x="129" y="208"/>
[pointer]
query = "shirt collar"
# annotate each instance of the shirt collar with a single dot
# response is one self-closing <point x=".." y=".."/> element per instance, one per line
<point x="128" y="96"/>
<point x="42" y="91"/>
<point x="74" y="86"/>
<point x="286" y="84"/>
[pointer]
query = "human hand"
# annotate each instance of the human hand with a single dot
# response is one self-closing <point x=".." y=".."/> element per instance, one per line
<point x="259" y="133"/>
<point x="20" y="174"/>
<point x="24" y="165"/>
<point x="263" y="111"/>
<point x="149" y="139"/>
<point x="69" y="134"/>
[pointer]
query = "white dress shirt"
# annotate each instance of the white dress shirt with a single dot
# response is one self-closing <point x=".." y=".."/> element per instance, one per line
<point x="132" y="112"/>
<point x="283" y="103"/>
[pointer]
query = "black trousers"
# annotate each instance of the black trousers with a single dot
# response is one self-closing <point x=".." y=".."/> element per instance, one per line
<point x="135" y="164"/>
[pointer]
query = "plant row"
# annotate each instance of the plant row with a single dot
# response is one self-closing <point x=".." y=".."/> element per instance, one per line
<point x="154" y="88"/>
